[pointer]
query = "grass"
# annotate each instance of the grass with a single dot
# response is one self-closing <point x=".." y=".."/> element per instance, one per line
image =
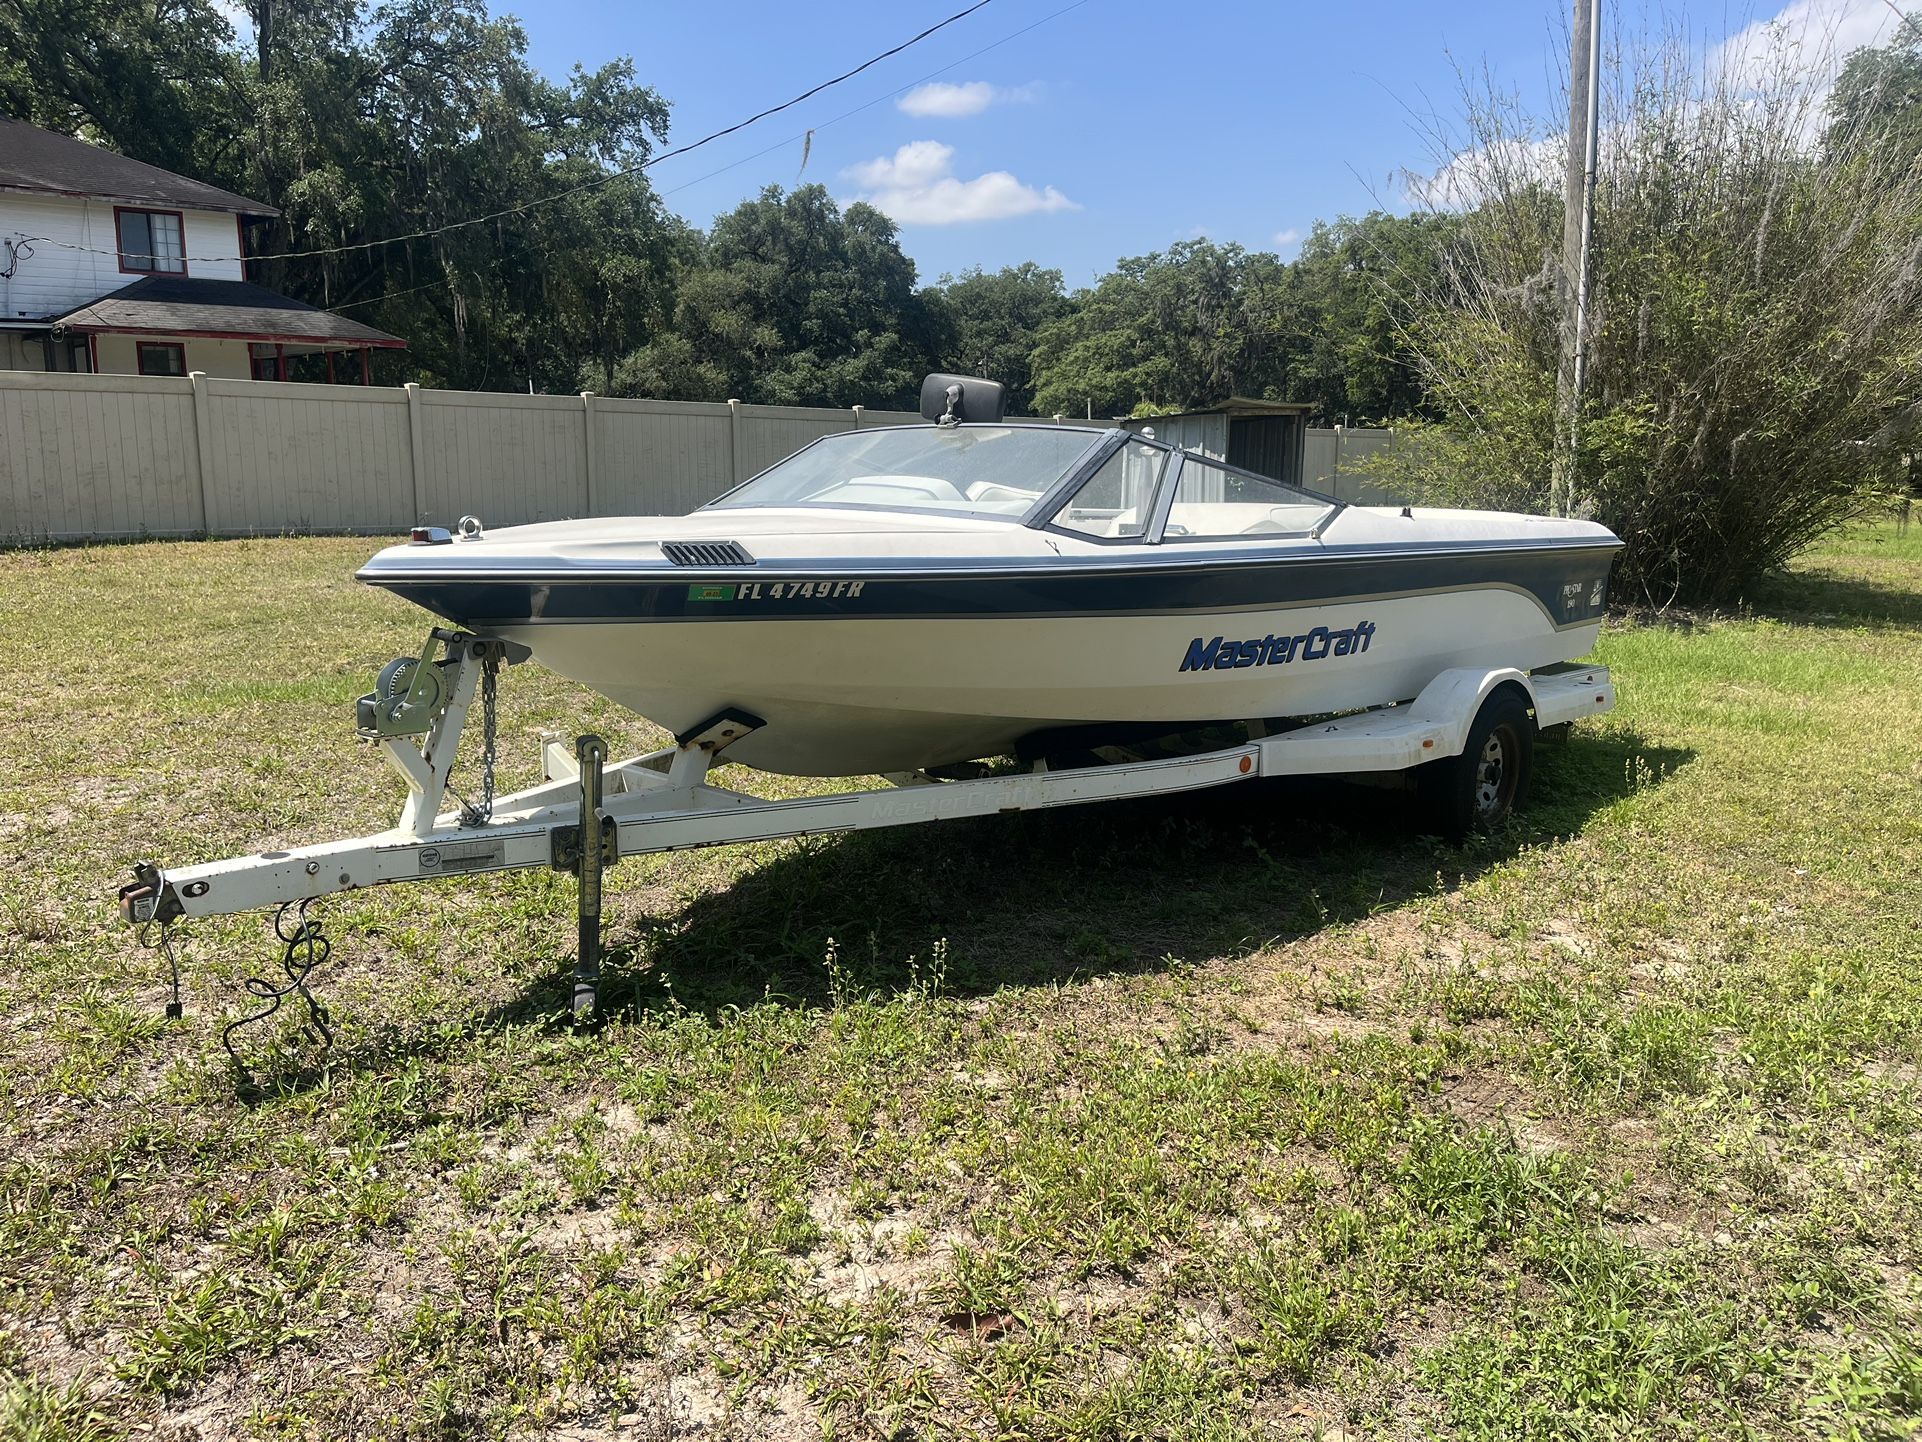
<point x="1235" y="1115"/>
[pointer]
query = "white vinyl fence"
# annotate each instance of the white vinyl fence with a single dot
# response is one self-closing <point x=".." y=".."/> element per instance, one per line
<point x="100" y="457"/>
<point x="108" y="457"/>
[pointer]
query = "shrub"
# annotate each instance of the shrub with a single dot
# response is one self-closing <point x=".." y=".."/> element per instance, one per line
<point x="1756" y="318"/>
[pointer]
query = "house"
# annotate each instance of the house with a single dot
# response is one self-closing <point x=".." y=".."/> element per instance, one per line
<point x="109" y="264"/>
<point x="1266" y="437"/>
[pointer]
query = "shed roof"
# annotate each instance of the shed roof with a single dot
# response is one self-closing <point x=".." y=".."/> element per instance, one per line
<point x="233" y="309"/>
<point x="1242" y="406"/>
<point x="32" y="159"/>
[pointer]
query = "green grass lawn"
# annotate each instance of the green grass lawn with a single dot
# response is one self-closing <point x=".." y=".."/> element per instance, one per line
<point x="1243" y="1114"/>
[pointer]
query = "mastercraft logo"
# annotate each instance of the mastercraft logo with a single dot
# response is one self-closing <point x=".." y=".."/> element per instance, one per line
<point x="1272" y="650"/>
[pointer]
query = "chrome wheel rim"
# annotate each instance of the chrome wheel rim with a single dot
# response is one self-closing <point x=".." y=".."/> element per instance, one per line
<point x="1495" y="775"/>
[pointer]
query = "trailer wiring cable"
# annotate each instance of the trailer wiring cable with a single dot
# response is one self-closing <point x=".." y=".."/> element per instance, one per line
<point x="162" y="934"/>
<point x="594" y="184"/>
<point x="304" y="947"/>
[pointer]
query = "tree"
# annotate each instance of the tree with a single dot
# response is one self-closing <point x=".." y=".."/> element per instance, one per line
<point x="153" y="79"/>
<point x="1358" y="284"/>
<point x="1878" y="96"/>
<point x="992" y="321"/>
<point x="792" y="301"/>
<point x="1169" y="331"/>
<point x="362" y="124"/>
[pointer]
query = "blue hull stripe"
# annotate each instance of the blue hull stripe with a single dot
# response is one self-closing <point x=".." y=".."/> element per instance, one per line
<point x="1568" y="583"/>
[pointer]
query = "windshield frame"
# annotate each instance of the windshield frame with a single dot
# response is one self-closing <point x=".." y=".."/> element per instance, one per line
<point x="1170" y="488"/>
<point x="1078" y="470"/>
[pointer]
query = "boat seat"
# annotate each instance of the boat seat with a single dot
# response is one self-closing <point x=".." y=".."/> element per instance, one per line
<point x="896" y="488"/>
<point x="1282" y="520"/>
<point x="992" y="491"/>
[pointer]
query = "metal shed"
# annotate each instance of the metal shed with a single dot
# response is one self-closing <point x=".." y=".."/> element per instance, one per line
<point x="1266" y="437"/>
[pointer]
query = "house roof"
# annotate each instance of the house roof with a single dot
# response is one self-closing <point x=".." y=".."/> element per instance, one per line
<point x="32" y="159"/>
<point x="233" y="309"/>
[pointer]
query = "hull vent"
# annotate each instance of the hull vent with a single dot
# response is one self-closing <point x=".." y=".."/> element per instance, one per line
<point x="706" y="553"/>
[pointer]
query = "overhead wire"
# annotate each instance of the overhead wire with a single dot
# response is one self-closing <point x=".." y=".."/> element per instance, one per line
<point x="767" y="150"/>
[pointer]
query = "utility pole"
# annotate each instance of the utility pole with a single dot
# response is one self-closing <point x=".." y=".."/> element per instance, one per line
<point x="1578" y="231"/>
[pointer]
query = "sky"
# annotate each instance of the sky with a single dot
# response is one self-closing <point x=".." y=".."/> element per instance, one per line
<point x="1074" y="134"/>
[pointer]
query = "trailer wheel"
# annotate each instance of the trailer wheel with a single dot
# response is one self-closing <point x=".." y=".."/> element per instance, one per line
<point x="1477" y="790"/>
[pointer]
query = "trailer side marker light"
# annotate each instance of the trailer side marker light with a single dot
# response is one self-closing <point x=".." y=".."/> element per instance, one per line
<point x="1428" y="744"/>
<point x="1247" y="764"/>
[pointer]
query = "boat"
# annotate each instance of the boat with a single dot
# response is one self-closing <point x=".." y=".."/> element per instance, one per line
<point x="899" y="598"/>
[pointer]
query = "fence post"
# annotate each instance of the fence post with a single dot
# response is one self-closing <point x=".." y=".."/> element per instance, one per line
<point x="857" y="417"/>
<point x="203" y="443"/>
<point x="587" y="424"/>
<point x="734" y="440"/>
<point x="416" y="449"/>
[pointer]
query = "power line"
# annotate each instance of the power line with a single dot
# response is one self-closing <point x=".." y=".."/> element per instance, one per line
<point x="598" y="181"/>
<point x="870" y="104"/>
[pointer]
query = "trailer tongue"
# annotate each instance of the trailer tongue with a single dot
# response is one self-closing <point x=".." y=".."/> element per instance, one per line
<point x="588" y="814"/>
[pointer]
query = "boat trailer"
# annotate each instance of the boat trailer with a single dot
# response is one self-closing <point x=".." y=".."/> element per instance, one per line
<point x="589" y="813"/>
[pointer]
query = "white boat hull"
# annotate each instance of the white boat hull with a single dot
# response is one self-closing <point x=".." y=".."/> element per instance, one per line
<point x="852" y="696"/>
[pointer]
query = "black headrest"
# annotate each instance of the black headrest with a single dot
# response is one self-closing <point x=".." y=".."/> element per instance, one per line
<point x="972" y="398"/>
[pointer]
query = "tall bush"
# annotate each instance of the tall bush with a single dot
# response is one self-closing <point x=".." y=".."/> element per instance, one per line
<point x="1756" y="323"/>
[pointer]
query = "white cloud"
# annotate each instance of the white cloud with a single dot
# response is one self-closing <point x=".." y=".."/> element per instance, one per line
<point x="1288" y="236"/>
<point x="1470" y="176"/>
<point x="1806" y="40"/>
<point x="950" y="101"/>
<point x="917" y="186"/>
<point x="939" y="99"/>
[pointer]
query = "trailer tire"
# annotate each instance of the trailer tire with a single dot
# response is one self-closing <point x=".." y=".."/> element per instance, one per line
<point x="1477" y="790"/>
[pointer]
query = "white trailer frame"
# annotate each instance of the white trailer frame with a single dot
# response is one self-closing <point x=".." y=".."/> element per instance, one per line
<point x="663" y="801"/>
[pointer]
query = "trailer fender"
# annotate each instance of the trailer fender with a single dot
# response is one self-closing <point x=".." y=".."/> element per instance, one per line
<point x="1449" y="703"/>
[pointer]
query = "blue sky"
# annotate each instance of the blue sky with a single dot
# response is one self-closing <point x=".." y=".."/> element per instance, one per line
<point x="1117" y="128"/>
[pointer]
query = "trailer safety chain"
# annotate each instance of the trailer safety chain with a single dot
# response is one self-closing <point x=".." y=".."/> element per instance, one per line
<point x="304" y="949"/>
<point x="470" y="813"/>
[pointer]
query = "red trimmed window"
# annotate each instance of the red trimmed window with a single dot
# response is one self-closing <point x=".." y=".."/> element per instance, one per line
<point x="152" y="242"/>
<point x="161" y="358"/>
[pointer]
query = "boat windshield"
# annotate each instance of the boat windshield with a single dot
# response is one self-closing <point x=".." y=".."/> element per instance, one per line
<point x="965" y="470"/>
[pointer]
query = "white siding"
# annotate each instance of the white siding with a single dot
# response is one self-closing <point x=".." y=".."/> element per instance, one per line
<point x="75" y="258"/>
